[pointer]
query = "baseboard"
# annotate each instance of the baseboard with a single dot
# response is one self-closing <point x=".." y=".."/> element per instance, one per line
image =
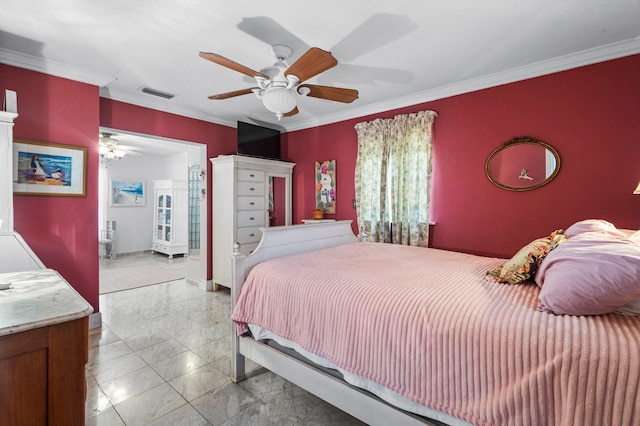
<point x="209" y="285"/>
<point x="206" y="285"/>
<point x="133" y="253"/>
<point x="95" y="320"/>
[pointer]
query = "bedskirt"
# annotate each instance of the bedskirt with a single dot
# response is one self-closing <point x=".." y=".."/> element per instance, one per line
<point x="426" y="325"/>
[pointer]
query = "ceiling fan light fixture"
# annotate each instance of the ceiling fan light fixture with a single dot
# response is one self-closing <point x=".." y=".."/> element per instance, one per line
<point x="108" y="149"/>
<point x="279" y="85"/>
<point x="111" y="153"/>
<point x="279" y="100"/>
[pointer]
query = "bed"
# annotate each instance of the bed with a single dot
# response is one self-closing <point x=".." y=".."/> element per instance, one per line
<point x="418" y="336"/>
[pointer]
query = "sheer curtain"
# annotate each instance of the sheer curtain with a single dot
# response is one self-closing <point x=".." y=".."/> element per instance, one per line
<point x="393" y="178"/>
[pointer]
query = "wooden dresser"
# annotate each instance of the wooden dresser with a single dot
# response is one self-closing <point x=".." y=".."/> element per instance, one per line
<point x="43" y="350"/>
<point x="242" y="201"/>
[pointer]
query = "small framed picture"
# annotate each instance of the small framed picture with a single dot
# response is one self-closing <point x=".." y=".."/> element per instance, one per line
<point x="326" y="186"/>
<point x="45" y="168"/>
<point x="126" y="193"/>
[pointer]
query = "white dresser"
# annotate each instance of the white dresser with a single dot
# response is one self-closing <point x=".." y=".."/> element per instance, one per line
<point x="170" y="226"/>
<point x="241" y="205"/>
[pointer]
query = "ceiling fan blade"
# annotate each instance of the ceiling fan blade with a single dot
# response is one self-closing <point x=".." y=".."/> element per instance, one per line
<point x="221" y="60"/>
<point x="312" y="63"/>
<point x="337" y="94"/>
<point x="228" y="95"/>
<point x="292" y="112"/>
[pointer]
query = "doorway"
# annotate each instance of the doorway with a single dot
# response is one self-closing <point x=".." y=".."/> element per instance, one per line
<point x="148" y="160"/>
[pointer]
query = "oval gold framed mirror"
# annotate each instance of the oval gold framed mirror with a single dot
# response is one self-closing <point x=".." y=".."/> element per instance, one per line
<point x="522" y="164"/>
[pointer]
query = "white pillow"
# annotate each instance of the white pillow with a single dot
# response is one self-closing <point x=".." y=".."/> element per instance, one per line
<point x="593" y="225"/>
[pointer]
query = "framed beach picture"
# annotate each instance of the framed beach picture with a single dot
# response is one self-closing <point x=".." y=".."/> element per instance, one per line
<point x="126" y="193"/>
<point x="45" y="168"/>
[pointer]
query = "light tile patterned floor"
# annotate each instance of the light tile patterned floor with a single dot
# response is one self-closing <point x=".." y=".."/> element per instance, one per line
<point x="132" y="270"/>
<point x="162" y="358"/>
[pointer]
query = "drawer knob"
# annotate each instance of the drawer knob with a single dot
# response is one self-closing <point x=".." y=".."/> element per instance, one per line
<point x="251" y="218"/>
<point x="252" y="175"/>
<point x="252" y="203"/>
<point x="252" y="235"/>
<point x="252" y="189"/>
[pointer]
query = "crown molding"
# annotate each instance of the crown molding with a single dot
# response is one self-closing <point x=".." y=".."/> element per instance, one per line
<point x="159" y="104"/>
<point x="33" y="63"/>
<point x="536" y="69"/>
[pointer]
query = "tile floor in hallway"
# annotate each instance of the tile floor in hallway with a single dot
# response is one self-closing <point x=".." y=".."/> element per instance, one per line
<point x="132" y="270"/>
<point x="162" y="358"/>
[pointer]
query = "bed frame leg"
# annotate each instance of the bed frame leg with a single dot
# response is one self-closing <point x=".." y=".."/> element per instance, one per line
<point x="237" y="361"/>
<point x="237" y="279"/>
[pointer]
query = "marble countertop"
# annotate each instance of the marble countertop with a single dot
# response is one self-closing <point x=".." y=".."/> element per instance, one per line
<point x="38" y="299"/>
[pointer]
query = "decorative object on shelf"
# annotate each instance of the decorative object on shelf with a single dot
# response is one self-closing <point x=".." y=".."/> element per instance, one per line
<point x="126" y="193"/>
<point x="45" y="168"/>
<point x="10" y="103"/>
<point x="318" y="214"/>
<point x="280" y="84"/>
<point x="326" y="186"/>
<point x="522" y="164"/>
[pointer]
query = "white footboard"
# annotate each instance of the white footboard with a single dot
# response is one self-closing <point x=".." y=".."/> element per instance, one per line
<point x="279" y="241"/>
<point x="283" y="241"/>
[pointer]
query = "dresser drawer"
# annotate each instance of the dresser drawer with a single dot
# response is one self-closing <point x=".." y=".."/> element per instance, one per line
<point x="250" y="218"/>
<point x="250" y="188"/>
<point x="250" y="203"/>
<point x="251" y="175"/>
<point x="248" y="235"/>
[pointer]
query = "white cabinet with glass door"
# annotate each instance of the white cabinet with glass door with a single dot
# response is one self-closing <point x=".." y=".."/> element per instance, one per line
<point x="170" y="228"/>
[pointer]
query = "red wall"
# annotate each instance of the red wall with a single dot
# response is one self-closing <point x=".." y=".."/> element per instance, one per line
<point x="589" y="115"/>
<point x="218" y="139"/>
<point x="62" y="231"/>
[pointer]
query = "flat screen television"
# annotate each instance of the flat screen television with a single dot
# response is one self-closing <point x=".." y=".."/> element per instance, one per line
<point x="258" y="141"/>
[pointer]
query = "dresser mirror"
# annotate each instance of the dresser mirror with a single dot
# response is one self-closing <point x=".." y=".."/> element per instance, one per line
<point x="277" y="200"/>
<point x="522" y="164"/>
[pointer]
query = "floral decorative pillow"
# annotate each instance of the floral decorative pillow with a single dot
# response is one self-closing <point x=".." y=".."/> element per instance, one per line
<point x="523" y="266"/>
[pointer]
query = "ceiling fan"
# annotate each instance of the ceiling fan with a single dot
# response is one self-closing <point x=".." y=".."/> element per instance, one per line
<point x="111" y="150"/>
<point x="280" y="85"/>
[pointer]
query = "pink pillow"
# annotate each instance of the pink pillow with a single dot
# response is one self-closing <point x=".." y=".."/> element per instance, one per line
<point x="593" y="225"/>
<point x="590" y="274"/>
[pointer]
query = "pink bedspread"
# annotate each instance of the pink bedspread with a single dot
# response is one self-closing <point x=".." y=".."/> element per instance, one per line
<point x="425" y="323"/>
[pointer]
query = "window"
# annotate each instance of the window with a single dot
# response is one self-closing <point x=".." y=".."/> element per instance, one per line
<point x="393" y="176"/>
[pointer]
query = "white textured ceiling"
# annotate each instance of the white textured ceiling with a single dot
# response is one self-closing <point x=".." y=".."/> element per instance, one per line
<point x="395" y="53"/>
